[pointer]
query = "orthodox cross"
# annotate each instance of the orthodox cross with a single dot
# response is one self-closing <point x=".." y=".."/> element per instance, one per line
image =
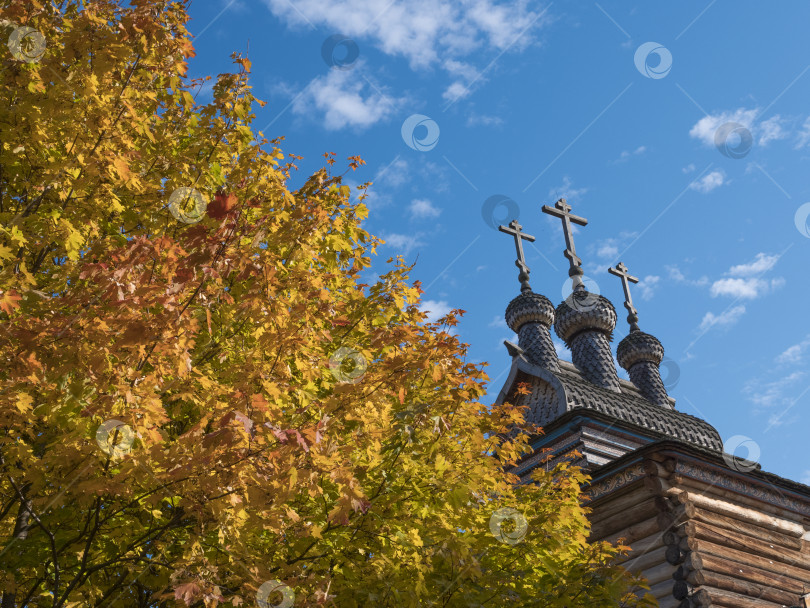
<point x="562" y="210"/>
<point x="515" y="230"/>
<point x="621" y="272"/>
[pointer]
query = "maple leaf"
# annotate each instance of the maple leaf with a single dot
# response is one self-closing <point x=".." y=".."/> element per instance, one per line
<point x="9" y="300"/>
<point x="221" y="205"/>
<point x="188" y="593"/>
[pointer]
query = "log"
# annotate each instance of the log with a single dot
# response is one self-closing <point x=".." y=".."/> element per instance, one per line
<point x="648" y="543"/>
<point x="736" y="540"/>
<point x="640" y="563"/>
<point x="756" y="531"/>
<point x="706" y="562"/>
<point x="674" y="555"/>
<point x="745" y="514"/>
<point x="635" y="532"/>
<point x="660" y="573"/>
<point x="671" y="536"/>
<point x="672" y="517"/>
<point x="713" y="492"/>
<point x="746" y="588"/>
<point x="621" y="505"/>
<point x="719" y="598"/>
<point x="668" y="601"/>
<point x="781" y="567"/>
<point x="655" y="484"/>
<point x="602" y="527"/>
<point x="661" y="590"/>
<point x="657" y="469"/>
<point x="681" y="590"/>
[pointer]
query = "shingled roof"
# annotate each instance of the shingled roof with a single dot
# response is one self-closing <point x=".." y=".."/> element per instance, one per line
<point x="573" y="392"/>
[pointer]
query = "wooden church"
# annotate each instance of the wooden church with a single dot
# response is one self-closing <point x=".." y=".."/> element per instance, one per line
<point x="706" y="528"/>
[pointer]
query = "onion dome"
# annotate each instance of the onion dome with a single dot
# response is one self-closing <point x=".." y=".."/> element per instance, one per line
<point x="585" y="321"/>
<point x="530" y="316"/>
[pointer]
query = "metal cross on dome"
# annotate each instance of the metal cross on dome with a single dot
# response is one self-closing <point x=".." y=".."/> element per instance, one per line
<point x="515" y="230"/>
<point x="622" y="272"/>
<point x="562" y="210"/>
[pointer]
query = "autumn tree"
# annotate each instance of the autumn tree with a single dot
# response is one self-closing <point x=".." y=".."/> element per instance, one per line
<point x="201" y="402"/>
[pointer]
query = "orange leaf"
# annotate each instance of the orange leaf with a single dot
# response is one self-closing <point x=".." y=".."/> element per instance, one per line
<point x="221" y="205"/>
<point x="9" y="301"/>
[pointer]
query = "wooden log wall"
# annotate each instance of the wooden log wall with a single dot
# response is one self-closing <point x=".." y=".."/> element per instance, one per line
<point x="703" y="545"/>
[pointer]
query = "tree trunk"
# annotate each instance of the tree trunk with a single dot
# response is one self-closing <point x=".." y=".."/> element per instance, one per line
<point x="21" y="527"/>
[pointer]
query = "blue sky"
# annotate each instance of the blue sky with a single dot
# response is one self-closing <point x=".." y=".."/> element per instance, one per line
<point x="681" y="131"/>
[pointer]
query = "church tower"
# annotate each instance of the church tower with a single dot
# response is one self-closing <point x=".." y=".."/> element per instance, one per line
<point x="706" y="528"/>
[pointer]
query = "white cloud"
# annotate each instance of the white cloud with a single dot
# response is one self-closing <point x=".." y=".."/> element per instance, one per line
<point x="676" y="275"/>
<point x="724" y="319"/>
<point x="344" y="101"/>
<point x="742" y="288"/>
<point x="771" y="129"/>
<point x="803" y="137"/>
<point x="705" y="128"/>
<point x="435" y="310"/>
<point x="647" y="286"/>
<point x="566" y="191"/>
<point x="626" y="154"/>
<point x="394" y="173"/>
<point x="424" y="32"/>
<point x="795" y="353"/>
<point x="456" y="91"/>
<point x="465" y="75"/>
<point x="608" y="251"/>
<point x="499" y="322"/>
<point x="762" y="263"/>
<point x="791" y="355"/>
<point x="709" y="182"/>
<point x="744" y="281"/>
<point x="772" y="394"/>
<point x="421" y="208"/>
<point x="689" y="168"/>
<point x="475" y="120"/>
<point x="766" y="131"/>
<point x="403" y="243"/>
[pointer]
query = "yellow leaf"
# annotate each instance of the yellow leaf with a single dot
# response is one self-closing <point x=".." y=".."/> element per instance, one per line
<point x="24" y="401"/>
